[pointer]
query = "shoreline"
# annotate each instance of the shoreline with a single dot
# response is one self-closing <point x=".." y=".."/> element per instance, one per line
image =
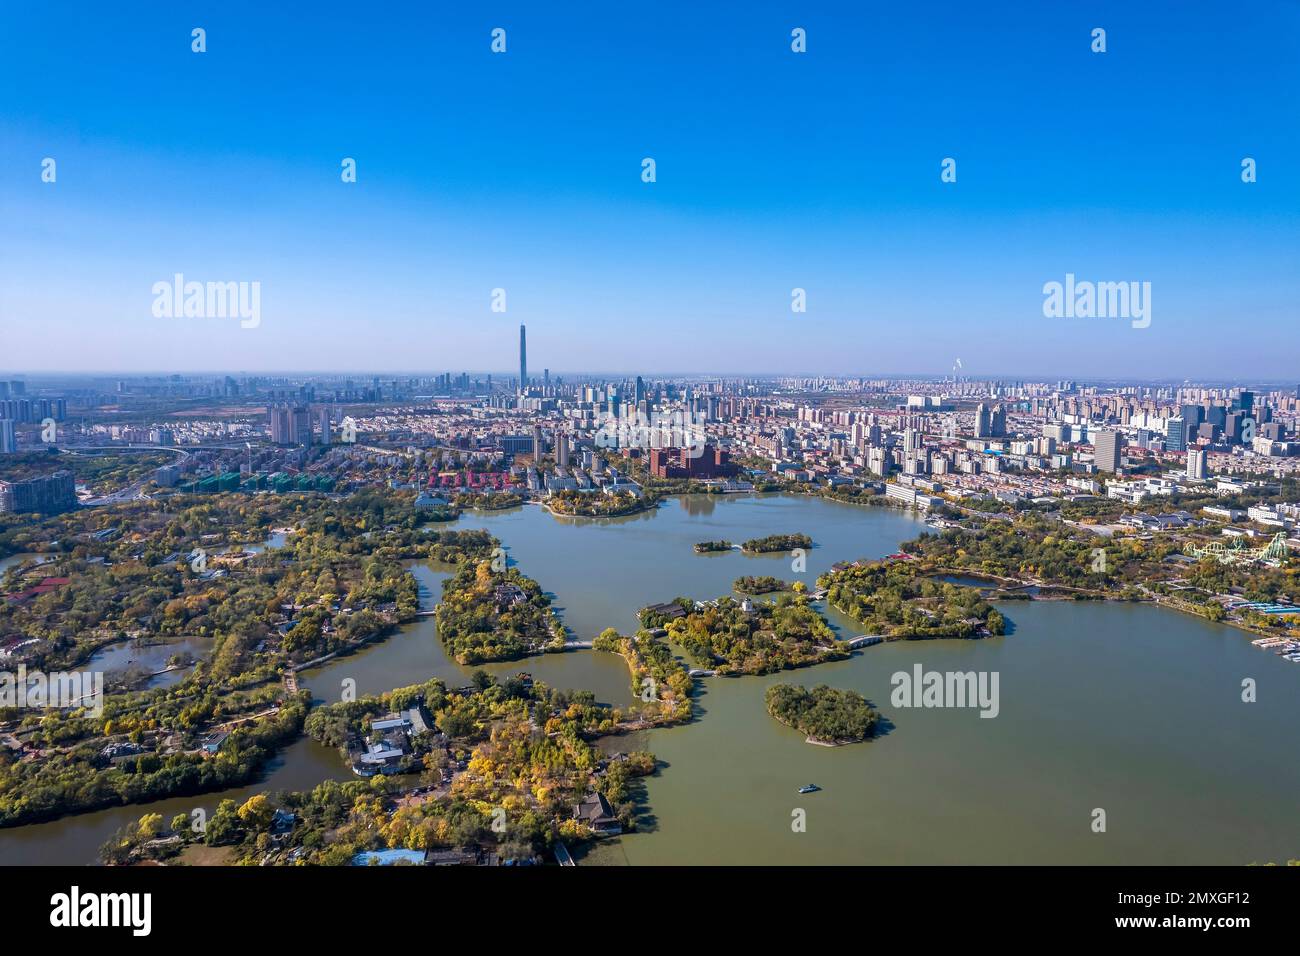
<point x="394" y="629"/>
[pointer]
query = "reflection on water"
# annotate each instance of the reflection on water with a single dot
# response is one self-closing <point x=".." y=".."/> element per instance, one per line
<point x="699" y="505"/>
<point x="129" y="655"/>
<point x="75" y="840"/>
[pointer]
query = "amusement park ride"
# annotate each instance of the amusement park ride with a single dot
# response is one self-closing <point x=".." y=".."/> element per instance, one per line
<point x="1274" y="553"/>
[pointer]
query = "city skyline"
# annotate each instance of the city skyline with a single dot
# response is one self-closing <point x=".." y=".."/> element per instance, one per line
<point x="776" y="171"/>
<point x="503" y="376"/>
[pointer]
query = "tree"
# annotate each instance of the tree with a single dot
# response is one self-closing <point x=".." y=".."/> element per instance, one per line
<point x="224" y="825"/>
<point x="151" y="825"/>
<point x="257" y="812"/>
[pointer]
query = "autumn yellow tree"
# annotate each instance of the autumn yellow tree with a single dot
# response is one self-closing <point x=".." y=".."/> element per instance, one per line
<point x="257" y="812"/>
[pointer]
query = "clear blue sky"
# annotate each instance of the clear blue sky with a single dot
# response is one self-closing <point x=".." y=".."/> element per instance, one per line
<point x="775" y="170"/>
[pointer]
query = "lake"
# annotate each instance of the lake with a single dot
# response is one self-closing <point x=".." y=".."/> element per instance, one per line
<point x="1130" y="709"/>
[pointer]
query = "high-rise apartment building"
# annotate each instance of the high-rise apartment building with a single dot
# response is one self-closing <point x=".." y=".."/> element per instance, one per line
<point x="50" y="494"/>
<point x="1196" y="469"/>
<point x="990" y="422"/>
<point x="281" y="423"/>
<point x="8" y="436"/>
<point x="323" y="421"/>
<point x="290" y="425"/>
<point x="1106" y="447"/>
<point x="301" y="425"/>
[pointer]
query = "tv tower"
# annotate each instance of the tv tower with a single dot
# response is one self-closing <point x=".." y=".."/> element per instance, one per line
<point x="523" y="358"/>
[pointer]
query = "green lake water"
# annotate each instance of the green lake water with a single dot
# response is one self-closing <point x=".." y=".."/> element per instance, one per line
<point x="1131" y="709"/>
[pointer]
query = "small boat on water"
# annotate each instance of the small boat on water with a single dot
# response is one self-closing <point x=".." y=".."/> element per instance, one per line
<point x="809" y="788"/>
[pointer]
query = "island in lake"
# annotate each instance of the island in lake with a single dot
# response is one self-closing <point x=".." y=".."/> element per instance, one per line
<point x="709" y="547"/>
<point x="762" y="584"/>
<point x="827" y="716"/>
<point x="775" y="543"/>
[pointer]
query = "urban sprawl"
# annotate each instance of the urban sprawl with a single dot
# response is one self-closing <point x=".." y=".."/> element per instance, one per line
<point x="259" y="525"/>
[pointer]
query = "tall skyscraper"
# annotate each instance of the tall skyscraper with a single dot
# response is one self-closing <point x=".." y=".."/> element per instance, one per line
<point x="8" y="438"/>
<point x="323" y="419"/>
<point x="290" y="424"/>
<point x="301" y="429"/>
<point x="1106" y="445"/>
<point x="1196" y="469"/>
<point x="523" y="358"/>
<point x="281" y="424"/>
<point x="1176" y="434"/>
<point x="1233" y="426"/>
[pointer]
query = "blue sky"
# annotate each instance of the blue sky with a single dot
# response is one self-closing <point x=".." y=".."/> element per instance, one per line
<point x="775" y="170"/>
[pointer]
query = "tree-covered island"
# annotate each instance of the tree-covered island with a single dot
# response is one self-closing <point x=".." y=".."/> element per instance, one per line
<point x="712" y="547"/>
<point x="761" y="584"/>
<point x="894" y="600"/>
<point x="825" y="715"/>
<point x="775" y="543"/>
<point x="490" y="615"/>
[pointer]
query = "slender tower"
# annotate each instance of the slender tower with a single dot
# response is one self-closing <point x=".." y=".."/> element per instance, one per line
<point x="523" y="358"/>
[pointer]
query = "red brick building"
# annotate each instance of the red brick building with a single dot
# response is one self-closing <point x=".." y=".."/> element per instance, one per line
<point x="713" y="462"/>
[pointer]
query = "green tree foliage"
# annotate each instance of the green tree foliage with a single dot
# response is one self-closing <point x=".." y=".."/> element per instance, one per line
<point x="823" y="713"/>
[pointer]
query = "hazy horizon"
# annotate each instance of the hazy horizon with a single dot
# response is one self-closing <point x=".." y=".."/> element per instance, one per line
<point x="503" y="376"/>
